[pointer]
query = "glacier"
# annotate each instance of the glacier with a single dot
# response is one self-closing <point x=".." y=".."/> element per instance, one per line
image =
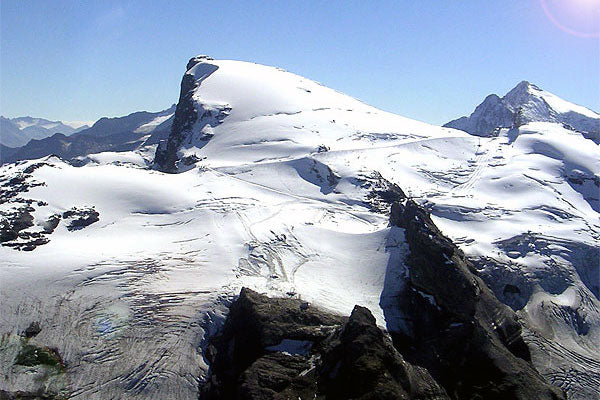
<point x="273" y="182"/>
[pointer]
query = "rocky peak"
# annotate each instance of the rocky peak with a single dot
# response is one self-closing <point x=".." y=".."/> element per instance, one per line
<point x="522" y="87"/>
<point x="527" y="103"/>
<point x="523" y="104"/>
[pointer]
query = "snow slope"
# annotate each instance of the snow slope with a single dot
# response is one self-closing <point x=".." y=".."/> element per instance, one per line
<point x="280" y="190"/>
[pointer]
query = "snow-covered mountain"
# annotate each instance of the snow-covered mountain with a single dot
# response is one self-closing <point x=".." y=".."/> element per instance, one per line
<point x="141" y="122"/>
<point x="17" y="132"/>
<point x="140" y="131"/>
<point x="527" y="103"/>
<point x="479" y="255"/>
<point x="39" y="128"/>
<point x="249" y="113"/>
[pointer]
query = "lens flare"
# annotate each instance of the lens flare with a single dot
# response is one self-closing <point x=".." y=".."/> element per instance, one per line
<point x="576" y="17"/>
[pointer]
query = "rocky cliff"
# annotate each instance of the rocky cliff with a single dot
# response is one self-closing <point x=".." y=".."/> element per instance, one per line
<point x="273" y="348"/>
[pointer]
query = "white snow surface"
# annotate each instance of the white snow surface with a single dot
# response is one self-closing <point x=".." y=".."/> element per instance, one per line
<point x="562" y="106"/>
<point x="152" y="125"/>
<point x="130" y="300"/>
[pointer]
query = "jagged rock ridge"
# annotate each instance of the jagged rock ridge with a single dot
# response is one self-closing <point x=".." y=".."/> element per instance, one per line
<point x="454" y="325"/>
<point x="273" y="348"/>
<point x="189" y="111"/>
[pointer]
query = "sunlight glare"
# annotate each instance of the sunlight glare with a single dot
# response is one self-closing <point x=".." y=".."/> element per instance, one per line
<point x="576" y="17"/>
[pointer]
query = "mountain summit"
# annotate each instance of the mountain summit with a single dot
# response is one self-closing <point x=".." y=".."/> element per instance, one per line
<point x="235" y="112"/>
<point x="527" y="103"/>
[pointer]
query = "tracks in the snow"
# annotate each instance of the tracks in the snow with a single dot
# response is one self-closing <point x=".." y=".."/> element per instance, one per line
<point x="485" y="152"/>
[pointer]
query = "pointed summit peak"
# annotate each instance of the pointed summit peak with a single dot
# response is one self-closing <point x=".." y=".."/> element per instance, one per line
<point x="524" y="85"/>
<point x="523" y="104"/>
<point x="521" y="92"/>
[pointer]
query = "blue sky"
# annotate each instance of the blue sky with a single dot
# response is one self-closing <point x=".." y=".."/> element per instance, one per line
<point x="432" y="60"/>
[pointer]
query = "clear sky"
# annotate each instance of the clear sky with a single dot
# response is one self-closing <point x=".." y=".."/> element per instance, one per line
<point x="432" y="60"/>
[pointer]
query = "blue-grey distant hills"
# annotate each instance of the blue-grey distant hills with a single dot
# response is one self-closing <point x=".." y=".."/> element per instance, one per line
<point x="17" y="132"/>
<point x="106" y="134"/>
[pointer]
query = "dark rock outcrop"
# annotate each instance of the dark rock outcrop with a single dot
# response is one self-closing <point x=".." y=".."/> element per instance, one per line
<point x="12" y="223"/>
<point x="185" y="117"/>
<point x="13" y="229"/>
<point x="283" y="349"/>
<point x="190" y="117"/>
<point x="469" y="341"/>
<point x="32" y="330"/>
<point x="15" y="222"/>
<point x="80" y="217"/>
<point x="363" y="364"/>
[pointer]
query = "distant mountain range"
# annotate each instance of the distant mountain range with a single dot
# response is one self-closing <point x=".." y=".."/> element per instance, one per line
<point x="17" y="132"/>
<point x="56" y="138"/>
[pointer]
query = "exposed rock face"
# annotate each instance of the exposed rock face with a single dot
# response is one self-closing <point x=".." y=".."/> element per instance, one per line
<point x="455" y="327"/>
<point x="185" y="117"/>
<point x="32" y="330"/>
<point x="18" y="227"/>
<point x="13" y="229"/>
<point x="81" y="217"/>
<point x="488" y="116"/>
<point x="363" y="364"/>
<point x="523" y="104"/>
<point x="191" y="116"/>
<point x="284" y="348"/>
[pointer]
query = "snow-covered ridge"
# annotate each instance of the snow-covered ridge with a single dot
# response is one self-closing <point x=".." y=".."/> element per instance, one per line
<point x="241" y="112"/>
<point x="26" y="122"/>
<point x="527" y="103"/>
<point x="561" y="106"/>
